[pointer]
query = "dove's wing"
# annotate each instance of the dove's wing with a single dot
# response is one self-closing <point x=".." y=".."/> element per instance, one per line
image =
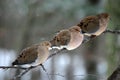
<point x="61" y="38"/>
<point x="89" y="24"/>
<point x="27" y="56"/>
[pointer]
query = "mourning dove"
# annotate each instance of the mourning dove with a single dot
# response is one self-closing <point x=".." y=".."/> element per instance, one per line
<point x="35" y="54"/>
<point x="68" y="38"/>
<point x="94" y="25"/>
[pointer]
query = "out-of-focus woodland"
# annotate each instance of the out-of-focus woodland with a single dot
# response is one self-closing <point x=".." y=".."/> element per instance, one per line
<point x="25" y="22"/>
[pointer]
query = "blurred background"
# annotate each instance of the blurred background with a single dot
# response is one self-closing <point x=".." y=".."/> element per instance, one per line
<point x="25" y="22"/>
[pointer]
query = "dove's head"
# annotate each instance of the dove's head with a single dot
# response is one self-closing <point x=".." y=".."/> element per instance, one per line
<point x="104" y="16"/>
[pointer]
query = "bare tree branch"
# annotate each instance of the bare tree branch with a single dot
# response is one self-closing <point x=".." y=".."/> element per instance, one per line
<point x="112" y="31"/>
<point x="27" y="69"/>
<point x="16" y="67"/>
<point x="57" y="52"/>
<point x="45" y="71"/>
<point x="115" y="75"/>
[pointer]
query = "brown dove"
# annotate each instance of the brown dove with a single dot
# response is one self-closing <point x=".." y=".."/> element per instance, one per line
<point x="68" y="38"/>
<point x="35" y="54"/>
<point x="94" y="25"/>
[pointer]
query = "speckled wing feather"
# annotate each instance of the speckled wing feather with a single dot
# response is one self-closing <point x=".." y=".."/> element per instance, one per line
<point x="89" y="24"/>
<point x="61" y="38"/>
<point x="27" y="56"/>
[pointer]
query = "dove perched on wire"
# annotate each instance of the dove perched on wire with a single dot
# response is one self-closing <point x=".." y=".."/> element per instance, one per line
<point x="34" y="55"/>
<point x="94" y="25"/>
<point x="68" y="38"/>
